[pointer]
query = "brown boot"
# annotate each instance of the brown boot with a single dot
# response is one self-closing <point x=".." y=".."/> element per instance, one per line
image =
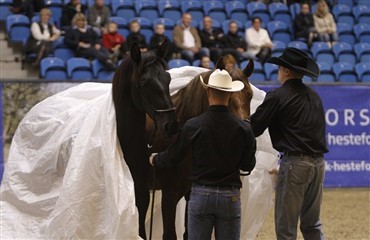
<point x="40" y="55"/>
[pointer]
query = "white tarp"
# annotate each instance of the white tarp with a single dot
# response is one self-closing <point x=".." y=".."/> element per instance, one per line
<point x="66" y="178"/>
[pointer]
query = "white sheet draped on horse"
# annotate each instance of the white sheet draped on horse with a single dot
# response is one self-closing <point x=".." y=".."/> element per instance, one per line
<point x="66" y="176"/>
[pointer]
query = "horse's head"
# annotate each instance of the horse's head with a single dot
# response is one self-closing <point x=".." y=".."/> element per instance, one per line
<point x="143" y="81"/>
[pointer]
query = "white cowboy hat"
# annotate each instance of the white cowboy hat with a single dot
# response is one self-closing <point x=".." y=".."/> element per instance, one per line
<point x="221" y="80"/>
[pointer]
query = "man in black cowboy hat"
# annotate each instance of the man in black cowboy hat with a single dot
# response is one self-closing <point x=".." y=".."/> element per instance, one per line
<point x="295" y="117"/>
<point x="221" y="145"/>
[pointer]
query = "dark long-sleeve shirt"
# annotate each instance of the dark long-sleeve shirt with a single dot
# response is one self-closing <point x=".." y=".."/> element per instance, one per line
<point x="303" y="25"/>
<point x="212" y="39"/>
<point x="235" y="41"/>
<point x="220" y="144"/>
<point x="74" y="36"/>
<point x="295" y="117"/>
<point x="68" y="12"/>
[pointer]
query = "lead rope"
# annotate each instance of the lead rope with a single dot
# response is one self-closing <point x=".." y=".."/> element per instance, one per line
<point x="150" y="146"/>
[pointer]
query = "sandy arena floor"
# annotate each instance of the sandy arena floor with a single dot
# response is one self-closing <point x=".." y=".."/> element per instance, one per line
<point x="345" y="215"/>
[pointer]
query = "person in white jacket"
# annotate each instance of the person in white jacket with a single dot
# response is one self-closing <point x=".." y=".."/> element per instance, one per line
<point x="325" y="23"/>
<point x="258" y="41"/>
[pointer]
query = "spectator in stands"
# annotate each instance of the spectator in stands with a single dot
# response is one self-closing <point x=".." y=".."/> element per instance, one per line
<point x="69" y="11"/>
<point x="28" y="7"/>
<point x="113" y="41"/>
<point x="325" y="24"/>
<point x="42" y="36"/>
<point x="98" y="17"/>
<point x="157" y="39"/>
<point x="187" y="39"/>
<point x="84" y="40"/>
<point x="304" y="26"/>
<point x="258" y="41"/>
<point x="135" y="37"/>
<point x="235" y="41"/>
<point x="212" y="38"/>
<point x="205" y="62"/>
<point x="230" y="62"/>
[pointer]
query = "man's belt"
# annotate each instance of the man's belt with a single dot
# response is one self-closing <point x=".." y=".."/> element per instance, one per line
<point x="300" y="154"/>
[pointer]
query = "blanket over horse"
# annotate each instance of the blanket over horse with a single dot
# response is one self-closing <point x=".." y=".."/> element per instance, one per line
<point x="66" y="177"/>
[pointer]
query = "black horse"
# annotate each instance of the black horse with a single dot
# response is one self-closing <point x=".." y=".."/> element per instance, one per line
<point x="140" y="87"/>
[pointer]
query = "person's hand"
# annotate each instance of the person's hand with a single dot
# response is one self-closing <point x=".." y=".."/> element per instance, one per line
<point x="151" y="158"/>
<point x="84" y="45"/>
<point x="274" y="171"/>
<point x="97" y="46"/>
<point x="240" y="50"/>
<point x="268" y="45"/>
<point x="194" y="49"/>
<point x="78" y="8"/>
<point x="104" y="30"/>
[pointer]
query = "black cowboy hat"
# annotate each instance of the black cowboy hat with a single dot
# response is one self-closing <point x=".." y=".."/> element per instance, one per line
<point x="297" y="60"/>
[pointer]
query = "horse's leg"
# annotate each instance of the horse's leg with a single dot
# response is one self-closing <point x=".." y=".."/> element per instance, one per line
<point x="170" y="198"/>
<point x="142" y="203"/>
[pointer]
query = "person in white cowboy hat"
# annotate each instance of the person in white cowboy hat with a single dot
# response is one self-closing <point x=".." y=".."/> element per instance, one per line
<point x="222" y="147"/>
<point x="295" y="117"/>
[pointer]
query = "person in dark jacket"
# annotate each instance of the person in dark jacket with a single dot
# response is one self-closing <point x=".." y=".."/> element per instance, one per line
<point x="69" y="11"/>
<point x="157" y="39"/>
<point x="222" y="148"/>
<point x="27" y="7"/>
<point x="98" y="17"/>
<point x="295" y="118"/>
<point x="235" y="41"/>
<point x="304" y="26"/>
<point x="135" y="37"/>
<point x="85" y="41"/>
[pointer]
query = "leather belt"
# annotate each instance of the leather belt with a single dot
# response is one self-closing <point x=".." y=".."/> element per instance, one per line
<point x="299" y="154"/>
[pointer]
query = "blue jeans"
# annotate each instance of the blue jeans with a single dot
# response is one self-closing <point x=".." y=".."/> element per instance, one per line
<point x="190" y="56"/>
<point x="213" y="207"/>
<point x="299" y="195"/>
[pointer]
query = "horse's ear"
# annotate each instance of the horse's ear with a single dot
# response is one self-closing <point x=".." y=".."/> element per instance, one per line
<point x="220" y="63"/>
<point x="135" y="53"/>
<point x="248" y="70"/>
<point x="163" y="49"/>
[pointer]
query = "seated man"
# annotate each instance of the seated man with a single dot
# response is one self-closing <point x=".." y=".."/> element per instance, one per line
<point x="187" y="40"/>
<point x="98" y="17"/>
<point x="236" y="42"/>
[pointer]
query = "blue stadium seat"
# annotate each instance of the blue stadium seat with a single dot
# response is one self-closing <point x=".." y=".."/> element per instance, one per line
<point x="79" y="69"/>
<point x="175" y="63"/>
<point x="101" y="72"/>
<point x="258" y="72"/>
<point x="4" y="9"/>
<point x="18" y="28"/>
<point x="280" y="12"/>
<point x="345" y="33"/>
<point x="146" y="8"/>
<point x="322" y="52"/>
<point x="123" y="8"/>
<point x="258" y="9"/>
<point x="300" y="45"/>
<point x="271" y="71"/>
<point x="215" y="9"/>
<point x="56" y="7"/>
<point x="344" y="53"/>
<point x="362" y="51"/>
<point x="363" y="2"/>
<point x="236" y="10"/>
<point x="279" y="31"/>
<point x="215" y="24"/>
<point x="326" y="73"/>
<point x="225" y="25"/>
<point x="313" y="8"/>
<point x="197" y="62"/>
<point x="362" y="13"/>
<point x="195" y="9"/>
<point x="343" y="14"/>
<point x="121" y="22"/>
<point x="170" y="9"/>
<point x="344" y="72"/>
<point x="363" y="71"/>
<point x="53" y="68"/>
<point x="362" y="32"/>
<point x="278" y="48"/>
<point x="295" y="9"/>
<point x="64" y="53"/>
<point x="345" y="2"/>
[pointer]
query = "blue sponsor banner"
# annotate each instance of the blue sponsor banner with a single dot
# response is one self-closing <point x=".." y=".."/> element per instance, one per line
<point x="1" y="134"/>
<point x="347" y="133"/>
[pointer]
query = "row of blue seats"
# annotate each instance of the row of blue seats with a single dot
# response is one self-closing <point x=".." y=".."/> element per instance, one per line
<point x="81" y="69"/>
<point x="17" y="27"/>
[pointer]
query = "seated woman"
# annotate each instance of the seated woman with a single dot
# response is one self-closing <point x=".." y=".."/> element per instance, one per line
<point x="230" y="62"/>
<point x="42" y="36"/>
<point x="84" y="40"/>
<point x="325" y="23"/>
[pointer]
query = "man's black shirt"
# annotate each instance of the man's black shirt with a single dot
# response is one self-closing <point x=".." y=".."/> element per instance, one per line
<point x="220" y="144"/>
<point x="295" y="117"/>
<point x="212" y="39"/>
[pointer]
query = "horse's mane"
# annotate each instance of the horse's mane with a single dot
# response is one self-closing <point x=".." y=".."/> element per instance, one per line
<point x="129" y="71"/>
<point x="192" y="101"/>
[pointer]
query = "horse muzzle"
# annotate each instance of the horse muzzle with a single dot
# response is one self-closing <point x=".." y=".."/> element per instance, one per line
<point x="166" y="122"/>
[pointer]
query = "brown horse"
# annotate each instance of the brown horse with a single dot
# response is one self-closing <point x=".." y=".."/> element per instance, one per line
<point x="190" y="102"/>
